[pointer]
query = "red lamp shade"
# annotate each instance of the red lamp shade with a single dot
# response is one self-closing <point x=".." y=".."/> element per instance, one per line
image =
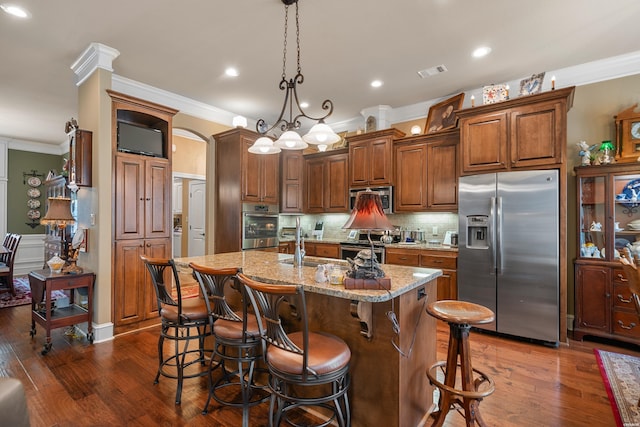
<point x="368" y="213"/>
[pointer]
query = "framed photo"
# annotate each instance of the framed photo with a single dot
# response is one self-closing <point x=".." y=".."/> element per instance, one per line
<point x="442" y="115"/>
<point x="494" y="93"/>
<point x="531" y="85"/>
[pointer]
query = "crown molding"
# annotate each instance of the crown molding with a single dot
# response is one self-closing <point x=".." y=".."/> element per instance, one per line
<point x="95" y="56"/>
<point x="35" y="147"/>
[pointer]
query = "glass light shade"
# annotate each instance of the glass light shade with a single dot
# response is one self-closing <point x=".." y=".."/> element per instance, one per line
<point x="264" y="145"/>
<point x="322" y="147"/>
<point x="368" y="213"/>
<point x="239" y="122"/>
<point x="606" y="145"/>
<point x="415" y="130"/>
<point x="321" y="133"/>
<point x="290" y="140"/>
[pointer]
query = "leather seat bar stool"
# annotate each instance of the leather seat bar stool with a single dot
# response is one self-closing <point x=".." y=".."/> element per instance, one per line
<point x="237" y="345"/>
<point x="183" y="322"/>
<point x="474" y="384"/>
<point x="306" y="369"/>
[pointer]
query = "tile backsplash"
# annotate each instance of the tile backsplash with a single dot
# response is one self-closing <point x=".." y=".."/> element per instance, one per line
<point x="333" y="223"/>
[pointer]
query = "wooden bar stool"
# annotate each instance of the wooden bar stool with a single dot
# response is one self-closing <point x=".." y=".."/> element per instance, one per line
<point x="460" y="316"/>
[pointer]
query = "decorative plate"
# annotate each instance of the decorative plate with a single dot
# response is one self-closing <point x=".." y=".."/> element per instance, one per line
<point x="33" y="214"/>
<point x="34" y="181"/>
<point x="33" y="203"/>
<point x="632" y="191"/>
<point x="34" y="193"/>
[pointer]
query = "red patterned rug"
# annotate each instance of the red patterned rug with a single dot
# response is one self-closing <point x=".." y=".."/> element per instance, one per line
<point x="621" y="377"/>
<point x="23" y="293"/>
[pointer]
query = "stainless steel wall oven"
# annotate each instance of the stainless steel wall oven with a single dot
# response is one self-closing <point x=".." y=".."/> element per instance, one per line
<point x="259" y="226"/>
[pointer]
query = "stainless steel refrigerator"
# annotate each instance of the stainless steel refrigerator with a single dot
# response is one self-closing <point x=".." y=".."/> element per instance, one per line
<point x="508" y="250"/>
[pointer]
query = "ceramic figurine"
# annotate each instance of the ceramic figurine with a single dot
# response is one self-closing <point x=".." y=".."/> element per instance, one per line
<point x="585" y="152"/>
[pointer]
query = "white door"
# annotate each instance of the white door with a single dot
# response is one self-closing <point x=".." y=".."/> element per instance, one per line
<point x="196" y="217"/>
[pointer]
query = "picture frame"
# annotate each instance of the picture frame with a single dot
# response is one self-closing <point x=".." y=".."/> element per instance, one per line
<point x="494" y="93"/>
<point x="442" y="115"/>
<point x="531" y="85"/>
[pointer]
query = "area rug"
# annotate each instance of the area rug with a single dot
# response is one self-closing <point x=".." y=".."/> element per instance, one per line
<point x="23" y="293"/>
<point x="621" y="377"/>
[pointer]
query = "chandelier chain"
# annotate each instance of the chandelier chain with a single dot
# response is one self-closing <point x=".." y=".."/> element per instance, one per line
<point x="284" y="50"/>
<point x="298" y="39"/>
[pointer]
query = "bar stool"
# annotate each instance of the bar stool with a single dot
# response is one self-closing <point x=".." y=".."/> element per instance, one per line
<point x="306" y="369"/>
<point x="460" y="316"/>
<point x="183" y="321"/>
<point x="237" y="347"/>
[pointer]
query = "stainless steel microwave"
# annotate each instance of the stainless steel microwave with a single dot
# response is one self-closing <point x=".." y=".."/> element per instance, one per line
<point x="386" y="195"/>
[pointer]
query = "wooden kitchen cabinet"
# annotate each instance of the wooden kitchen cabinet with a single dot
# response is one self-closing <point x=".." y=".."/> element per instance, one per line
<point x="291" y="181"/>
<point x="135" y="304"/>
<point x="260" y="173"/>
<point x="142" y="212"/>
<point x="326" y="182"/>
<point x="603" y="303"/>
<point x="143" y="205"/>
<point x="524" y="132"/>
<point x="371" y="158"/>
<point x="427" y="173"/>
<point x="80" y="151"/>
<point x="322" y="249"/>
<point x="447" y="261"/>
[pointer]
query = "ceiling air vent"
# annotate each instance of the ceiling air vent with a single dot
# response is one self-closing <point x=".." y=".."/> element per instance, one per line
<point x="432" y="71"/>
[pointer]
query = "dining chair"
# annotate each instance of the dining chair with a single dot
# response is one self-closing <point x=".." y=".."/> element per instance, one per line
<point x="237" y="342"/>
<point x="8" y="259"/>
<point x="183" y="321"/>
<point x="307" y="370"/>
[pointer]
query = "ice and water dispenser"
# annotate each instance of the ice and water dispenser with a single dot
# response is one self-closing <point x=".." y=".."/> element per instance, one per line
<point x="478" y="232"/>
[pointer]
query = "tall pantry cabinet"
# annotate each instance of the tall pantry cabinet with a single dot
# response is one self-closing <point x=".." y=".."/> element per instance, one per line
<point x="141" y="211"/>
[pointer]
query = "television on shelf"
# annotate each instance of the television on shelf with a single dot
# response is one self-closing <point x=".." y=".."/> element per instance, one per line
<point x="140" y="139"/>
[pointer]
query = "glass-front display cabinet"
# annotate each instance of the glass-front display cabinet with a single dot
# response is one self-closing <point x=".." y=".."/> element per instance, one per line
<point x="608" y="222"/>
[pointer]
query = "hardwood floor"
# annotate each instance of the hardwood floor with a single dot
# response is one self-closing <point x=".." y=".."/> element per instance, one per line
<point x="111" y="384"/>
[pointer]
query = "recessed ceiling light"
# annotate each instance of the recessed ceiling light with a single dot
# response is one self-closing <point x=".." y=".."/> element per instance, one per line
<point x="376" y="83"/>
<point x="481" y="51"/>
<point x="231" y="72"/>
<point x="304" y="104"/>
<point x="14" y="10"/>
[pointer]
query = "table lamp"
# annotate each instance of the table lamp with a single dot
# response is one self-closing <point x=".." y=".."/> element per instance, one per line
<point x="368" y="214"/>
<point x="59" y="215"/>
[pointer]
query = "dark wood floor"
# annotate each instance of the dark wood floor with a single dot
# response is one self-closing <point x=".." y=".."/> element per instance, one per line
<point x="111" y="384"/>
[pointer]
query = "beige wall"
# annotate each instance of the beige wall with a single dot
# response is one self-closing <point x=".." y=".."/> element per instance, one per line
<point x="190" y="156"/>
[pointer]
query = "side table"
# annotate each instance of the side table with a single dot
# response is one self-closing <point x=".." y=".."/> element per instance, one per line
<point x="43" y="283"/>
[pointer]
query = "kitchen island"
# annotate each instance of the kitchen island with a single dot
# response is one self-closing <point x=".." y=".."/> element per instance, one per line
<point x="387" y="388"/>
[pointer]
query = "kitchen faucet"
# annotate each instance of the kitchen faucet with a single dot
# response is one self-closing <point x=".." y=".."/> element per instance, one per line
<point x="298" y="256"/>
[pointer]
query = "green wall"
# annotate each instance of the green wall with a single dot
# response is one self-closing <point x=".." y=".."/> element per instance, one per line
<point x="19" y="162"/>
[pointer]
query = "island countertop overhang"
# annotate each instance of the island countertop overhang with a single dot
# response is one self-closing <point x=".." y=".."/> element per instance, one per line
<point x="270" y="267"/>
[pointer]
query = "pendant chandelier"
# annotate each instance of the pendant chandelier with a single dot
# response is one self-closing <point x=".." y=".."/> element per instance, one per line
<point x="320" y="134"/>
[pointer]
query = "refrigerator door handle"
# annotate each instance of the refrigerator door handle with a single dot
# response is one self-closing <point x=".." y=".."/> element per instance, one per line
<point x="498" y="239"/>
<point x="492" y="233"/>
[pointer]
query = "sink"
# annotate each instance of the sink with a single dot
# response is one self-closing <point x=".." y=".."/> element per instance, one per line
<point x="305" y="263"/>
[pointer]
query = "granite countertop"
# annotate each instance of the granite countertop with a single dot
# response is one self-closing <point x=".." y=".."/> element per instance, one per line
<point x="268" y="267"/>
<point x="417" y="246"/>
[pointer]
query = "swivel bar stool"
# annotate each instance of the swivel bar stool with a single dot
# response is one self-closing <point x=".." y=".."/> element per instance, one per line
<point x="183" y="321"/>
<point x="460" y="315"/>
<point x="306" y="369"/>
<point x="237" y="346"/>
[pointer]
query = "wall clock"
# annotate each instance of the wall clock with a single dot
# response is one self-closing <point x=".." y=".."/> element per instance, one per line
<point x="628" y="134"/>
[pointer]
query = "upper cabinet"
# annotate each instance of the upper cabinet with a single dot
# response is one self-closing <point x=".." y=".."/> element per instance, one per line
<point x="244" y="176"/>
<point x="326" y="182"/>
<point x="291" y="181"/>
<point x="524" y="132"/>
<point x="371" y="158"/>
<point x="427" y="172"/>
